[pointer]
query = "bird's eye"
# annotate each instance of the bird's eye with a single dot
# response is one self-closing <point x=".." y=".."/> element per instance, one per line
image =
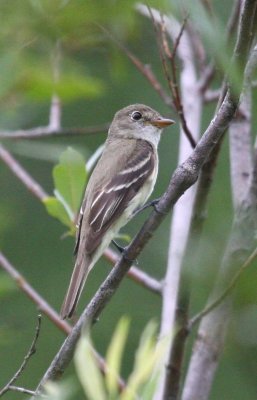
<point x="136" y="115"/>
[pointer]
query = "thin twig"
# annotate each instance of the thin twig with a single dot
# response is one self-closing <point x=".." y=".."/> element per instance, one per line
<point x="166" y="53"/>
<point x="194" y="320"/>
<point x="47" y="131"/>
<point x="144" y="69"/>
<point x="31" y="351"/>
<point x="25" y="391"/>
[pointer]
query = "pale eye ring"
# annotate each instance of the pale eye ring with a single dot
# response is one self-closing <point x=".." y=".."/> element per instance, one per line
<point x="136" y="115"/>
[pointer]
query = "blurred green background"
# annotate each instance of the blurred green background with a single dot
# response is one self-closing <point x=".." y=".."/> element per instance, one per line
<point x="95" y="80"/>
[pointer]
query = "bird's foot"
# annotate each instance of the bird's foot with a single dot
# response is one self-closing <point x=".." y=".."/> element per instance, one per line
<point x="123" y="251"/>
<point x="119" y="247"/>
<point x="152" y="203"/>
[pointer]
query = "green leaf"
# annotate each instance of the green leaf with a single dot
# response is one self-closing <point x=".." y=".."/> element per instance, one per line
<point x="70" y="178"/>
<point x="59" y="391"/>
<point x="7" y="285"/>
<point x="144" y="362"/>
<point x="88" y="372"/>
<point x="56" y="209"/>
<point x="38" y="83"/>
<point x="114" y="356"/>
<point x="123" y="236"/>
<point x="158" y="366"/>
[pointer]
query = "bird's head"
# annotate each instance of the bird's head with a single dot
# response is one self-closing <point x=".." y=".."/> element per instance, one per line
<point x="140" y="122"/>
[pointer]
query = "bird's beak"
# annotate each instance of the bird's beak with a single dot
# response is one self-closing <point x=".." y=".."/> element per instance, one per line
<point x="161" y="122"/>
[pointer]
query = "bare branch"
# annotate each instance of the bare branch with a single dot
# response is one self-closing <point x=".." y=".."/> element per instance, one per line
<point x="240" y="139"/>
<point x="191" y="112"/>
<point x="22" y="174"/>
<point x="176" y="32"/>
<point x="23" y="390"/>
<point x="31" y="351"/>
<point x="243" y="38"/>
<point x="212" y="331"/>
<point x="48" y="131"/>
<point x="174" y="368"/>
<point x="43" y="306"/>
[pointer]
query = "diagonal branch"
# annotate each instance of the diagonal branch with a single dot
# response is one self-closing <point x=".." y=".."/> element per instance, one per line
<point x="22" y="174"/>
<point x="32" y="294"/>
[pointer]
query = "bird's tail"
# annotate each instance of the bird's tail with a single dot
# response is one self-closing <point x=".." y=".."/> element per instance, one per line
<point x="76" y="285"/>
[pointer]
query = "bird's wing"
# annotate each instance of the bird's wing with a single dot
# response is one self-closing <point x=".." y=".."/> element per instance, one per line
<point x="111" y="199"/>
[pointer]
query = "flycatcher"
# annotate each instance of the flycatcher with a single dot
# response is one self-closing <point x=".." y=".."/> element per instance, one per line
<point x="121" y="182"/>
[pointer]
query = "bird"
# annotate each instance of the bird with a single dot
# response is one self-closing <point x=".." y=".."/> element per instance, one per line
<point x="121" y="182"/>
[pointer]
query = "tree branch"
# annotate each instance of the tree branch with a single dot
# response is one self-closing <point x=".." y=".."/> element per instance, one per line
<point x="192" y="108"/>
<point x="211" y="336"/>
<point x="240" y="139"/>
<point x="48" y="131"/>
<point x="23" y="284"/>
<point x="174" y="368"/>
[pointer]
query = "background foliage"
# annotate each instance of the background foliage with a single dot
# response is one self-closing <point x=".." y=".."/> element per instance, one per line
<point x="58" y="46"/>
